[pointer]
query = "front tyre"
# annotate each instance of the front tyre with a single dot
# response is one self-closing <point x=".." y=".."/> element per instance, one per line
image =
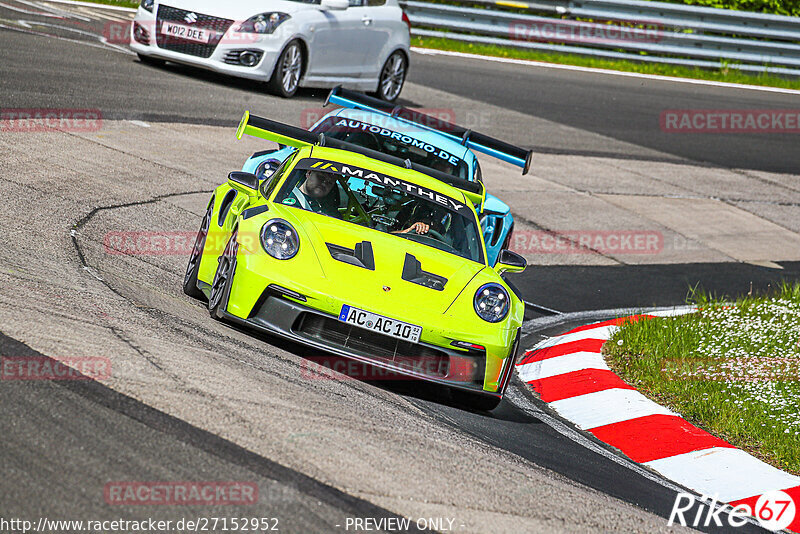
<point x="393" y="76"/>
<point x="223" y="277"/>
<point x="288" y="69"/>
<point x="474" y="401"/>
<point x="190" y="278"/>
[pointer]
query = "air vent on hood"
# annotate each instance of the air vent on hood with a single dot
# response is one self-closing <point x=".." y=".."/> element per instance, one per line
<point x="412" y="272"/>
<point x="360" y="256"/>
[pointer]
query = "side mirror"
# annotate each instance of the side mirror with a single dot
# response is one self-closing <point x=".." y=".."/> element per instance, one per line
<point x="244" y="182"/>
<point x="334" y="5"/>
<point x="510" y="262"/>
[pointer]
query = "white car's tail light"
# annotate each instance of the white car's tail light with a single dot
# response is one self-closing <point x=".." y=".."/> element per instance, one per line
<point x="407" y="21"/>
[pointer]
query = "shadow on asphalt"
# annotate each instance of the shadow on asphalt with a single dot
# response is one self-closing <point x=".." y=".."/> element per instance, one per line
<point x="571" y="288"/>
<point x="314" y="96"/>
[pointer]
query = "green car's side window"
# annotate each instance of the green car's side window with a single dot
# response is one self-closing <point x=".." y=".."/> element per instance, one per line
<point x="269" y="184"/>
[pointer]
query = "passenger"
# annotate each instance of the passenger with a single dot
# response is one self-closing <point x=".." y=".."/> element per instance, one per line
<point x="418" y="227"/>
<point x="423" y="216"/>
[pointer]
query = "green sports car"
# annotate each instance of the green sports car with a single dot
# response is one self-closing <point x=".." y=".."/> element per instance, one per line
<point x="351" y="252"/>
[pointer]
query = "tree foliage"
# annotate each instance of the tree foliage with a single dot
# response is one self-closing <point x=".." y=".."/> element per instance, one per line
<point x="776" y="7"/>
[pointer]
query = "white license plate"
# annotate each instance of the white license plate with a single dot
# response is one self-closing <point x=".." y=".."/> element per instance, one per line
<point x="197" y="35"/>
<point x="379" y="323"/>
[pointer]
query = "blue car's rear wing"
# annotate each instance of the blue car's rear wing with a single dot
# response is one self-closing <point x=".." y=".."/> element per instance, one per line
<point x="285" y="134"/>
<point x="472" y="140"/>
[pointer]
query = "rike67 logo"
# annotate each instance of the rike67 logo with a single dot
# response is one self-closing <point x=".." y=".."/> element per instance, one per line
<point x="774" y="510"/>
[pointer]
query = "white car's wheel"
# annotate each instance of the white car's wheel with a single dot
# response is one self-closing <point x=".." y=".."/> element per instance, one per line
<point x="393" y="75"/>
<point x="286" y="76"/>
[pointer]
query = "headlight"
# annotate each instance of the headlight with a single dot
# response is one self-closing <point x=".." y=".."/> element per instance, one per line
<point x="263" y="23"/>
<point x="492" y="303"/>
<point x="280" y="239"/>
<point x="148" y="5"/>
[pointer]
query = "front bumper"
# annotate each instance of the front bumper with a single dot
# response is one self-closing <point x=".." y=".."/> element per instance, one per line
<point x="268" y="47"/>
<point x="277" y="314"/>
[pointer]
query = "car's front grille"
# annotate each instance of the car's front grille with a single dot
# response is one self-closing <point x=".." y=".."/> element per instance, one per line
<point x="379" y="347"/>
<point x="216" y="25"/>
<point x="232" y="57"/>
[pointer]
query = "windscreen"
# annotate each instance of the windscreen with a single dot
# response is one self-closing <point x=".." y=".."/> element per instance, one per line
<point x="384" y="203"/>
<point x="398" y="144"/>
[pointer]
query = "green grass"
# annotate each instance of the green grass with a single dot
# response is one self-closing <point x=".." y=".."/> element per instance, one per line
<point x="777" y="7"/>
<point x="120" y="3"/>
<point x="729" y="75"/>
<point x="731" y="368"/>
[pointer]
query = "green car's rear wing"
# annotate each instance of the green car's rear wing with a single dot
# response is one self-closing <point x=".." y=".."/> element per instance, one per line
<point x="285" y="134"/>
<point x="472" y="140"/>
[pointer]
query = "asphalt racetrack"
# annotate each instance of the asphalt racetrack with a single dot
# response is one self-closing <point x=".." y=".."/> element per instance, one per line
<point x="192" y="399"/>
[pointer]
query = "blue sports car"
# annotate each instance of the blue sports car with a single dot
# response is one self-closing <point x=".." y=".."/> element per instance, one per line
<point x="406" y="134"/>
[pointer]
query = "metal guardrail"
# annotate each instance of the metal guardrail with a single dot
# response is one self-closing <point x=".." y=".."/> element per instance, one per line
<point x="626" y="29"/>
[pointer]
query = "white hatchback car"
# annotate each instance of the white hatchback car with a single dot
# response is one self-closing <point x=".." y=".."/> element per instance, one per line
<point x="360" y="44"/>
